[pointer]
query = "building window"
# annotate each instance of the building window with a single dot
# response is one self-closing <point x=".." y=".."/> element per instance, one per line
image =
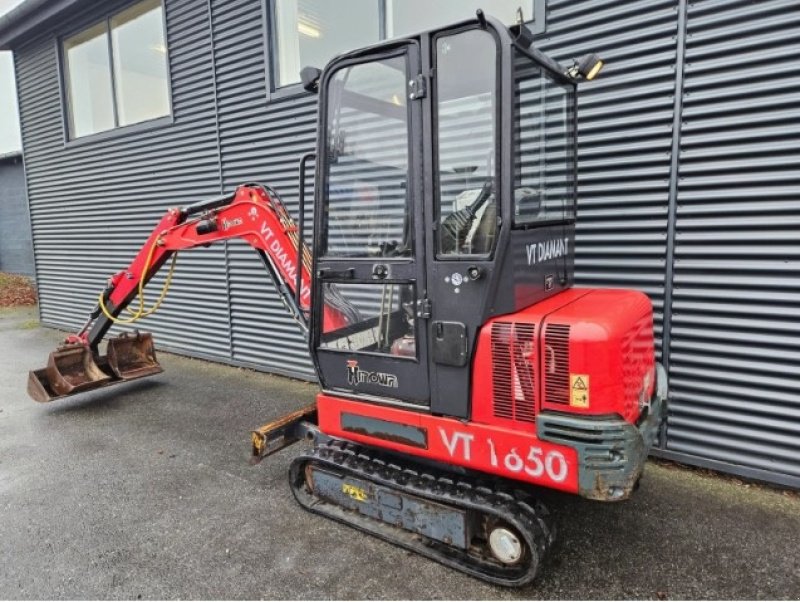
<point x="311" y="32"/>
<point x="405" y="17"/>
<point x="116" y="71"/>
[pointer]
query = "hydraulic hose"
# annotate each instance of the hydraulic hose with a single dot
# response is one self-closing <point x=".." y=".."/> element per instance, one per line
<point x="140" y="312"/>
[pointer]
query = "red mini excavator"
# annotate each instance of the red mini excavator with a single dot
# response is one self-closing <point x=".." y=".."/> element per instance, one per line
<point x="461" y="372"/>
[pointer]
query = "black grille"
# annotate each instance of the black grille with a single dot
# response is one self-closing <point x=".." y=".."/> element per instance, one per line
<point x="556" y="363"/>
<point x="514" y="371"/>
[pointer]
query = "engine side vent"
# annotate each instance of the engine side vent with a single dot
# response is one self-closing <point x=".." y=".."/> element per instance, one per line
<point x="637" y="348"/>
<point x="556" y="363"/>
<point x="514" y="371"/>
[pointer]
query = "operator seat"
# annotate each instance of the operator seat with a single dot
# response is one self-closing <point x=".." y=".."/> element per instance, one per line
<point x="483" y="235"/>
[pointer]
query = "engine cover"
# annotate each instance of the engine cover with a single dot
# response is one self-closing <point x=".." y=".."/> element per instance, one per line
<point x="584" y="351"/>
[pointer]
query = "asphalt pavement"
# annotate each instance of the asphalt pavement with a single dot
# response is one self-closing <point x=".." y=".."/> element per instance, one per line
<point x="144" y="491"/>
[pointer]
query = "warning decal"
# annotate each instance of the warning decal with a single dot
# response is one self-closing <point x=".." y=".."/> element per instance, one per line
<point x="579" y="390"/>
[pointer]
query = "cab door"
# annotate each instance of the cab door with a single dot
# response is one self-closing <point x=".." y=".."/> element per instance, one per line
<point x="369" y="335"/>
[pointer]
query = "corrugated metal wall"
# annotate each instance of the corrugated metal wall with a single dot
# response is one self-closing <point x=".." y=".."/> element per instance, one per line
<point x="92" y="203"/>
<point x="624" y="137"/>
<point x="711" y="193"/>
<point x="16" y="250"/>
<point x="261" y="141"/>
<point x="735" y="347"/>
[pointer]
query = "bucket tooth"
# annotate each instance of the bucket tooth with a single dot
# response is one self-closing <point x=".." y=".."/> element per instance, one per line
<point x="132" y="356"/>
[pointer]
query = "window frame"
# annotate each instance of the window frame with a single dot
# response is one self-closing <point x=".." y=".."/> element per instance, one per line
<point x="499" y="139"/>
<point x="270" y="28"/>
<point x="561" y="79"/>
<point x="390" y="53"/>
<point x="412" y="284"/>
<point x="269" y="25"/>
<point x="63" y="74"/>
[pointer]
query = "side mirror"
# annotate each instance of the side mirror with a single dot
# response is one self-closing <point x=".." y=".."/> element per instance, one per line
<point x="309" y="76"/>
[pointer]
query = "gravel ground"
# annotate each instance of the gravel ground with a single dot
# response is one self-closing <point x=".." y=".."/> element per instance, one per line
<point x="144" y="491"/>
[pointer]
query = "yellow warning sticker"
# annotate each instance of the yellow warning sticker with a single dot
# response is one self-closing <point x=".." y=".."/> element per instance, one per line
<point x="579" y="390"/>
<point x="357" y="493"/>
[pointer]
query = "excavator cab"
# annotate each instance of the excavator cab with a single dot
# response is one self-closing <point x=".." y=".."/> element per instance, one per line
<point x="442" y="160"/>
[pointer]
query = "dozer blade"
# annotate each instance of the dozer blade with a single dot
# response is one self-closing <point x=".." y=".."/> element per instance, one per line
<point x="132" y="356"/>
<point x="70" y="370"/>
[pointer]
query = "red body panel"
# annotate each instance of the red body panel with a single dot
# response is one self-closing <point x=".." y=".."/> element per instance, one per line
<point x="485" y="448"/>
<point x="584" y="351"/>
<point x="611" y="343"/>
<point x="487" y="368"/>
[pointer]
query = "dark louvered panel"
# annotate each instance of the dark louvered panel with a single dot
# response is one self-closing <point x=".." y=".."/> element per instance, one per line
<point x="735" y="395"/>
<point x="16" y="252"/>
<point x="514" y="371"/>
<point x="502" y="370"/>
<point x="556" y="363"/>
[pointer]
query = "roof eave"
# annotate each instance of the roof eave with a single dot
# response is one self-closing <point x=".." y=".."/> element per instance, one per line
<point x="28" y="16"/>
<point x="10" y="156"/>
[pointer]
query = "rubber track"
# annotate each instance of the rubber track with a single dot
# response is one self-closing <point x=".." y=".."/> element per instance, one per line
<point x="528" y="516"/>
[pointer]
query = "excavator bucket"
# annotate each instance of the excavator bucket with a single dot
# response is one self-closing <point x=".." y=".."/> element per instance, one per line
<point x="70" y="370"/>
<point x="132" y="356"/>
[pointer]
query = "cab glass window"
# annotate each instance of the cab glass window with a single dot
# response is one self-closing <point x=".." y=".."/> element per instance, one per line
<point x="379" y="318"/>
<point x="466" y="134"/>
<point x="544" y="161"/>
<point x="366" y="212"/>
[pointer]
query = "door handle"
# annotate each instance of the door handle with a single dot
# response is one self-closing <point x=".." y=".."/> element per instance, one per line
<point x="331" y="274"/>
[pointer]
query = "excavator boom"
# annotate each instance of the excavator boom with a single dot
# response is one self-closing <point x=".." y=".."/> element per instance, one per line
<point x="253" y="213"/>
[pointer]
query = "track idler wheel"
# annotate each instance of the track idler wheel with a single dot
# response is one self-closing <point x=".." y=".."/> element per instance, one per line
<point x="506" y="545"/>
